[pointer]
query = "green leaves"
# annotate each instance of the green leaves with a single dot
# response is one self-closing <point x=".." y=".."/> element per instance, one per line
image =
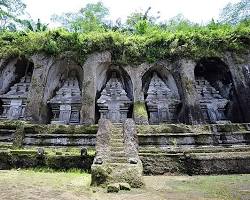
<point x="90" y="18"/>
<point x="149" y="46"/>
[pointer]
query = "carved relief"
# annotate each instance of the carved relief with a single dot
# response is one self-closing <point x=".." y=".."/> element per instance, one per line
<point x="114" y="102"/>
<point x="14" y="101"/>
<point x="161" y="102"/>
<point x="66" y="104"/>
<point x="212" y="103"/>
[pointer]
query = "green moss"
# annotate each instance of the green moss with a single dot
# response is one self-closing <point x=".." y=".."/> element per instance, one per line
<point x="164" y="128"/>
<point x="11" y="124"/>
<point x="140" y="110"/>
<point x="19" y="136"/>
<point x="23" y="152"/>
<point x="190" y="42"/>
<point x="230" y="127"/>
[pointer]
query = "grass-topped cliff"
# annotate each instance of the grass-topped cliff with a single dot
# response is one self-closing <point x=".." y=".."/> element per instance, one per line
<point x="151" y="44"/>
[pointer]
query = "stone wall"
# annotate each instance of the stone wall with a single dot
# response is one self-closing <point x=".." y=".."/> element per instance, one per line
<point x="179" y="78"/>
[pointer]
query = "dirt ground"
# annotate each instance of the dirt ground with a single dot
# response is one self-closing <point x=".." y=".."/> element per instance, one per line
<point x="33" y="185"/>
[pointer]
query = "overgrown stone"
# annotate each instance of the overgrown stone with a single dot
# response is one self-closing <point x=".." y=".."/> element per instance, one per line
<point x="124" y="186"/>
<point x="113" y="188"/>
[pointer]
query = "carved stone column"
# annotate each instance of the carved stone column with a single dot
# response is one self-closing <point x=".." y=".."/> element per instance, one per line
<point x="191" y="111"/>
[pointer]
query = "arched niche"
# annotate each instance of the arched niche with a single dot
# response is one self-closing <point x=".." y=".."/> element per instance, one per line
<point x="62" y="94"/>
<point x="216" y="91"/>
<point x="161" y="95"/>
<point x="114" y="95"/>
<point x="15" y="85"/>
<point x="13" y="71"/>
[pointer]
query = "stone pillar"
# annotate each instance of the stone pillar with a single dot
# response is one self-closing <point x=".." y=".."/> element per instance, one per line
<point x="7" y="74"/>
<point x="240" y="71"/>
<point x="191" y="111"/>
<point x="36" y="109"/>
<point x="90" y="84"/>
<point x="140" y="114"/>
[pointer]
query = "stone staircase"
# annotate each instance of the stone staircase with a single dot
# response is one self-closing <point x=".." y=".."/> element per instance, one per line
<point x="117" y="153"/>
<point x="115" y="145"/>
<point x="6" y="137"/>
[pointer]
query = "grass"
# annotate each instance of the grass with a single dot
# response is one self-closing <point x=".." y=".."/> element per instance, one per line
<point x="74" y="185"/>
<point x="222" y="187"/>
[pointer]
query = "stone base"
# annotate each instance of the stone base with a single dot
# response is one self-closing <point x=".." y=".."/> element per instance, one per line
<point x="102" y="175"/>
<point x="58" y="122"/>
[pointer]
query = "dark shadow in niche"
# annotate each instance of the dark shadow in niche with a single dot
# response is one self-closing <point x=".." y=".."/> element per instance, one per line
<point x="1" y="107"/>
<point x="23" y="68"/>
<point x="218" y="75"/>
<point x="161" y="96"/>
<point x="125" y="80"/>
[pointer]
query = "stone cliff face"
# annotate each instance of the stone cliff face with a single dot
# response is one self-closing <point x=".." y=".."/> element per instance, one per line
<point x="210" y="90"/>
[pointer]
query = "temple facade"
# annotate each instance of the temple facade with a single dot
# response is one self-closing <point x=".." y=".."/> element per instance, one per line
<point x="197" y="92"/>
<point x="213" y="105"/>
<point x="161" y="102"/>
<point x="14" y="101"/>
<point x="114" y="103"/>
<point x="66" y="104"/>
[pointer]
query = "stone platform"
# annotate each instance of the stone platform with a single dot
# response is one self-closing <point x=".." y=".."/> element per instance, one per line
<point x="171" y="148"/>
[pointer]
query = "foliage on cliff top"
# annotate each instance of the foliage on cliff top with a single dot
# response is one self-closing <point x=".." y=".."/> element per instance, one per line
<point x="152" y="43"/>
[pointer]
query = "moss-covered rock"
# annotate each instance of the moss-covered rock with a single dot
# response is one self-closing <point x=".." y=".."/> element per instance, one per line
<point x="105" y="174"/>
<point x="140" y="113"/>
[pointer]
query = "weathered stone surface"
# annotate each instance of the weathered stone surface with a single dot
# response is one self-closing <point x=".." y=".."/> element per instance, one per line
<point x="113" y="188"/>
<point x="121" y="147"/>
<point x="131" y="141"/>
<point x="102" y="141"/>
<point x="66" y="104"/>
<point x="14" y="101"/>
<point x="213" y="105"/>
<point x="114" y="102"/>
<point x="161" y="101"/>
<point x="7" y="74"/>
<point x="124" y="186"/>
<point x="95" y="65"/>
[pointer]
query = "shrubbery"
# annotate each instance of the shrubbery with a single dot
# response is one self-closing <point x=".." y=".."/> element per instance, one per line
<point x="152" y="43"/>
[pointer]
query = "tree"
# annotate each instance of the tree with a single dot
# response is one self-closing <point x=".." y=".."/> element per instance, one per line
<point x="31" y="25"/>
<point x="141" y="22"/>
<point x="234" y="13"/>
<point x="10" y="10"/>
<point x="178" y="22"/>
<point x="90" y="18"/>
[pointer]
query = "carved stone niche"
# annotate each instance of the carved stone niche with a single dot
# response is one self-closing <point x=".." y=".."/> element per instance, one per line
<point x="213" y="105"/>
<point x="14" y="101"/>
<point x="161" y="102"/>
<point x="114" y="102"/>
<point x="66" y="104"/>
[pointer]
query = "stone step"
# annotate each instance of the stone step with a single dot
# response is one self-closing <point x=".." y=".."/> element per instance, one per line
<point x="118" y="154"/>
<point x="116" y="140"/>
<point x="116" y="137"/>
<point x="114" y="149"/>
<point x="119" y="165"/>
<point x="118" y="160"/>
<point x="5" y="144"/>
<point x="6" y="132"/>
<point x="5" y="139"/>
<point x="115" y="134"/>
<point x="116" y="130"/>
<point x="116" y="144"/>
